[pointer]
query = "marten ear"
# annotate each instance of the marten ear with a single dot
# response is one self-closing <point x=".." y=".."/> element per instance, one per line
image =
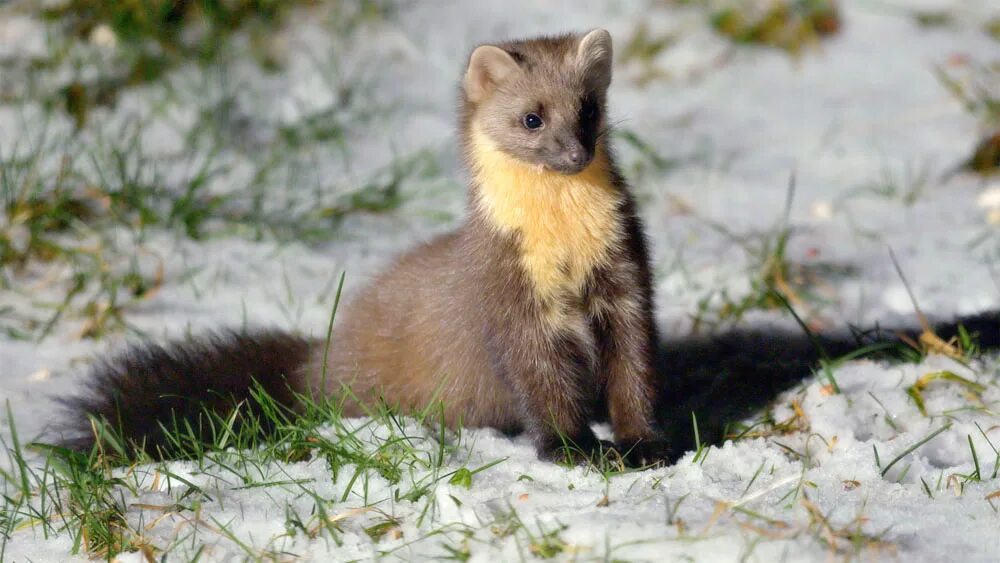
<point x="594" y="54"/>
<point x="488" y="67"/>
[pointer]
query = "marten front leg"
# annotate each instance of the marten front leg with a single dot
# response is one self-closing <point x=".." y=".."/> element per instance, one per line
<point x="621" y="311"/>
<point x="549" y="362"/>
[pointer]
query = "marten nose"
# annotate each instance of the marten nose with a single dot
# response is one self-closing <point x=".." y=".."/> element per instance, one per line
<point x="569" y="156"/>
<point x="574" y="156"/>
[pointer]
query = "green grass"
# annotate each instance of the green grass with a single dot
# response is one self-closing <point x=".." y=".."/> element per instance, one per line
<point x="790" y="25"/>
<point x="55" y="218"/>
<point x="906" y="186"/>
<point x="78" y="209"/>
<point x="641" y="50"/>
<point x="883" y="470"/>
<point x="976" y="85"/>
<point x="933" y="18"/>
<point x="992" y="28"/>
<point x="98" y="499"/>
<point x="793" y="26"/>
<point x="90" y="496"/>
<point x="775" y="282"/>
<point x="71" y="220"/>
<point x="145" y="39"/>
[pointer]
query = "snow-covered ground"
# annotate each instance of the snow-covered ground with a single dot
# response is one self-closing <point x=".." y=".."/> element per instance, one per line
<point x="863" y="122"/>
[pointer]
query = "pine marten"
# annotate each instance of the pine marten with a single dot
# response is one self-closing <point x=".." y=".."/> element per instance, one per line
<point x="535" y="315"/>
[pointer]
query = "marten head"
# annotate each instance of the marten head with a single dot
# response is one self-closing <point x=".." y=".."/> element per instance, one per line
<point x="541" y="101"/>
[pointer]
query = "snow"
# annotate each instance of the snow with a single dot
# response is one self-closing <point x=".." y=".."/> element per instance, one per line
<point x="866" y="109"/>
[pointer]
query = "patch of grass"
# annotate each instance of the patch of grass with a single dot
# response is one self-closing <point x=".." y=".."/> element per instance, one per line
<point x="992" y="28"/>
<point x="961" y="348"/>
<point x="318" y="216"/>
<point x="642" y="49"/>
<point x="996" y="452"/>
<point x="78" y="210"/>
<point x="457" y="552"/>
<point x="776" y="283"/>
<point x="906" y="186"/>
<point x="32" y="218"/>
<point x="56" y="218"/>
<point x="95" y="497"/>
<point x="545" y="543"/>
<point x="847" y="540"/>
<point x="701" y="450"/>
<point x="147" y="38"/>
<point x="768" y="426"/>
<point x="164" y="21"/>
<point x="648" y="158"/>
<point x="907" y="451"/>
<point x="977" y="86"/>
<point x="933" y="18"/>
<point x="790" y="25"/>
<point x="84" y="221"/>
<point x="97" y="49"/>
<point x="63" y="219"/>
<point x="916" y="391"/>
<point x="67" y="494"/>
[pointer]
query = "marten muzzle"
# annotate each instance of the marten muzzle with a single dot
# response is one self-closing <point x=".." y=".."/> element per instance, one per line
<point x="571" y="157"/>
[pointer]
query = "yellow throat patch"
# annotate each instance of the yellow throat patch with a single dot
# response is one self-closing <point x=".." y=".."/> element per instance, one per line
<point x="567" y="225"/>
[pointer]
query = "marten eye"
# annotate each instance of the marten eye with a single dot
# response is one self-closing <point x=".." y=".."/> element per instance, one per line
<point x="532" y="121"/>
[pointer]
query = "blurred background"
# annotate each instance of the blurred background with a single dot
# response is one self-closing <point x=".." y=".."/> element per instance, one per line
<point x="172" y="165"/>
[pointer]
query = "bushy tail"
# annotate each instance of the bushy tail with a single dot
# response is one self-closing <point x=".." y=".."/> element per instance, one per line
<point x="148" y="390"/>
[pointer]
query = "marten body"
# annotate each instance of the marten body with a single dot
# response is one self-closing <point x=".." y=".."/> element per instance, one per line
<point x="534" y="315"/>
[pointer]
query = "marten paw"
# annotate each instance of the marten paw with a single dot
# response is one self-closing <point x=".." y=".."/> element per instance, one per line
<point x="647" y="453"/>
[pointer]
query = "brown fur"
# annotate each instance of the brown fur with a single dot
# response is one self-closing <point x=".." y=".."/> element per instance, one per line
<point x="460" y="320"/>
<point x="149" y="390"/>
